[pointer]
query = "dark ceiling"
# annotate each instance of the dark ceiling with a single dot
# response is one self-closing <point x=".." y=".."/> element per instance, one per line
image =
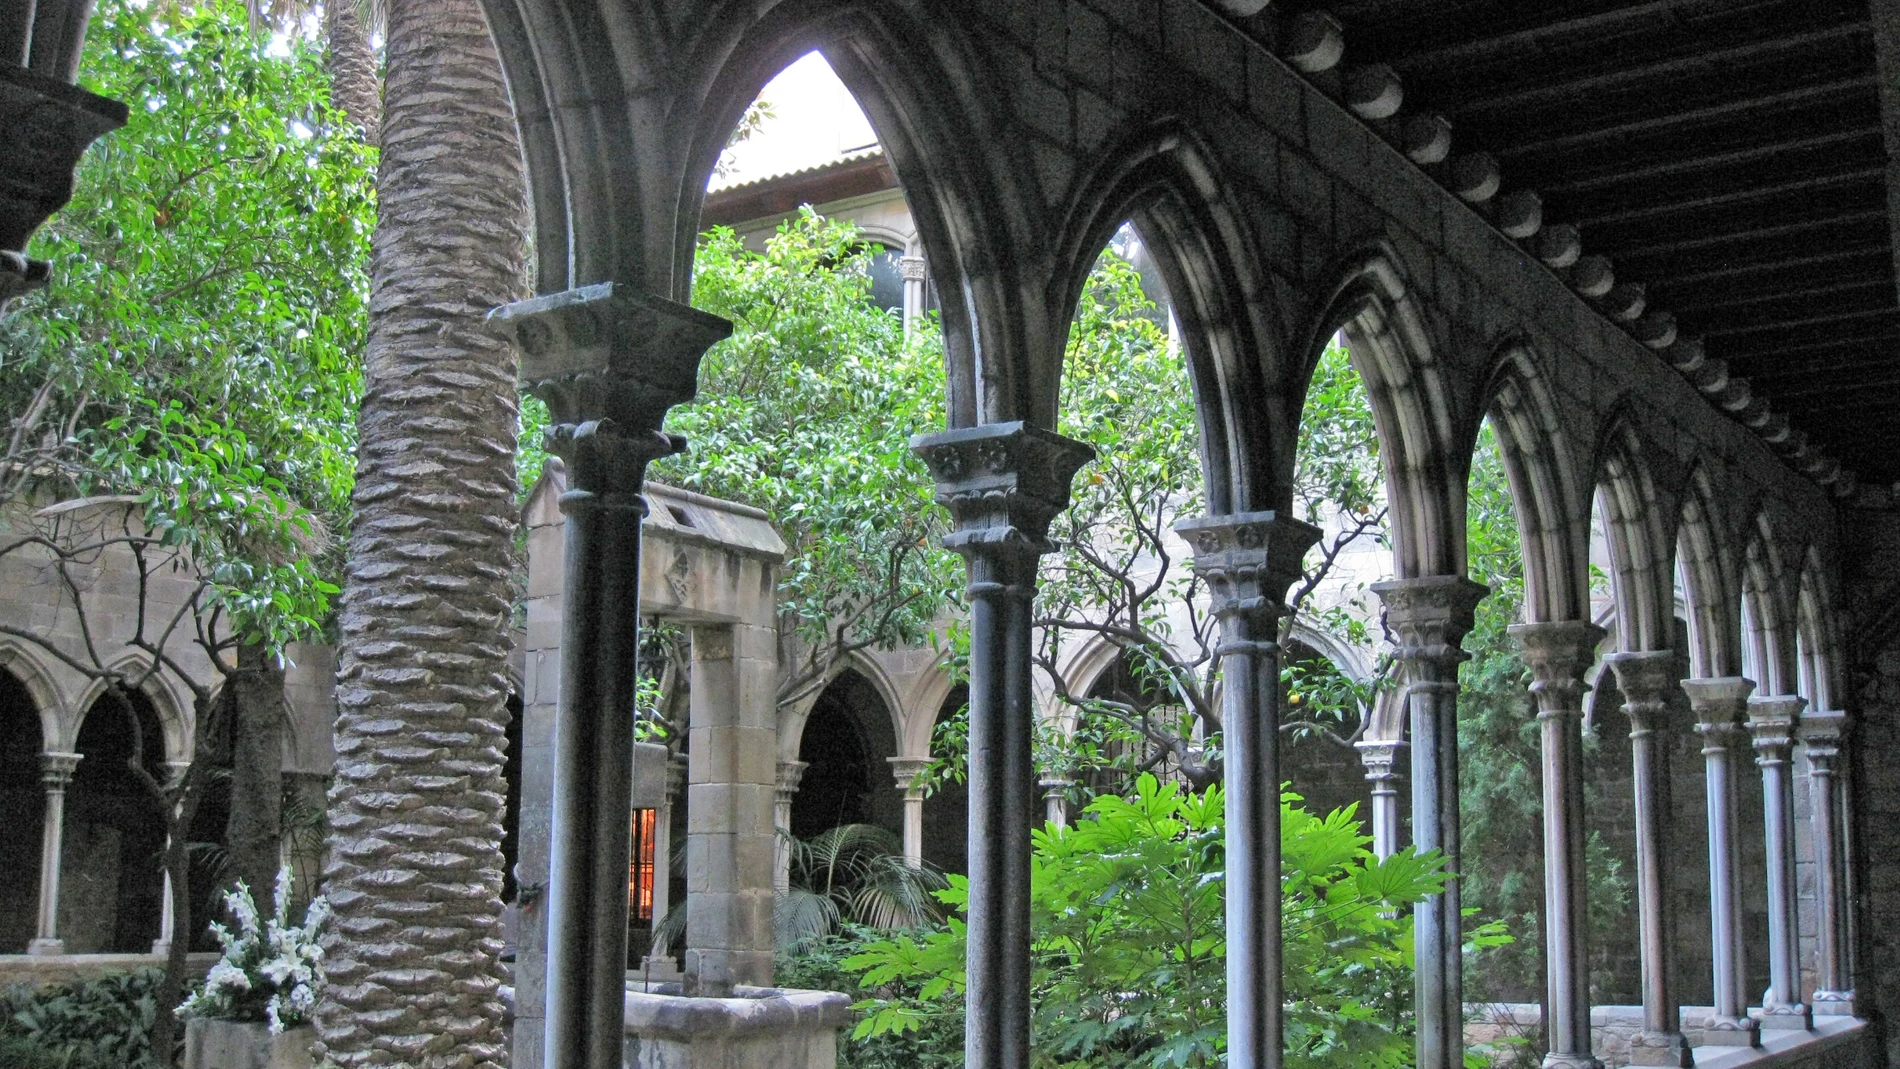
<point x="1727" y="153"/>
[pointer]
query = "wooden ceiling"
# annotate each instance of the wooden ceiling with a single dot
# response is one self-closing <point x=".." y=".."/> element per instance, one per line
<point x="1728" y="154"/>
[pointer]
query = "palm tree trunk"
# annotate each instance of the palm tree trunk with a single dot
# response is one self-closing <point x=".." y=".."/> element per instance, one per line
<point x="415" y="866"/>
<point x="355" y="85"/>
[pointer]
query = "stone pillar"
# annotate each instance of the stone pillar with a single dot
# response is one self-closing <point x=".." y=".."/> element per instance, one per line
<point x="790" y="774"/>
<point x="1428" y="617"/>
<point x="908" y="771"/>
<point x="915" y="273"/>
<point x="1558" y="654"/>
<point x="1381" y="758"/>
<point x="56" y="774"/>
<point x="1720" y="706"/>
<point x="660" y="960"/>
<point x="1055" y="799"/>
<point x="1647" y="679"/>
<point x="1821" y="731"/>
<point x="1003" y="483"/>
<point x="732" y="789"/>
<point x="167" y="915"/>
<point x="609" y="362"/>
<point x="1248" y="560"/>
<point x="1772" y="722"/>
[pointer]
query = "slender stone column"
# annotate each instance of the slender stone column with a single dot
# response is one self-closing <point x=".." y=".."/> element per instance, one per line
<point x="1772" y="722"/>
<point x="790" y="774"/>
<point x="1248" y="561"/>
<point x="1003" y="483"/>
<point x="908" y="771"/>
<point x="609" y="362"/>
<point x="660" y="960"/>
<point x="1647" y="679"/>
<point x="1821" y="732"/>
<point x="915" y="274"/>
<point x="1428" y="618"/>
<point x="56" y="774"/>
<point x="1055" y="799"/>
<point x="1558" y="654"/>
<point x="1381" y="758"/>
<point x="167" y="915"/>
<point x="1720" y="706"/>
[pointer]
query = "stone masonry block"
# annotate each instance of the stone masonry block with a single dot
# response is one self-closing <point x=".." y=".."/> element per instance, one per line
<point x="1096" y="120"/>
<point x="1139" y="17"/>
<point x="1200" y="41"/>
<point x="1274" y="95"/>
<point x="1307" y="190"/>
<point x="1091" y="47"/>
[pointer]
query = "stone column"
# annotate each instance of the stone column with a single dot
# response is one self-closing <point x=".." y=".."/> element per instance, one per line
<point x="790" y="774"/>
<point x="1720" y="706"/>
<point x="1381" y="759"/>
<point x="1248" y="560"/>
<point x="1428" y="617"/>
<point x="1647" y="679"/>
<point x="660" y="961"/>
<point x="167" y="915"/>
<point x="1821" y="732"/>
<point x="908" y="771"/>
<point x="609" y="362"/>
<point x="1772" y="721"/>
<point x="56" y="774"/>
<point x="1055" y="799"/>
<point x="1003" y="483"/>
<point x="915" y="273"/>
<point x="732" y="788"/>
<point x="1558" y="654"/>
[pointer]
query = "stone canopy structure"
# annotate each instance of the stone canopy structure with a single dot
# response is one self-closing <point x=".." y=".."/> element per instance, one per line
<point x="1579" y="225"/>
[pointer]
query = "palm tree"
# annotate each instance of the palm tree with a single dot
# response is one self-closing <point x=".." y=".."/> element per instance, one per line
<point x="355" y="84"/>
<point x="415" y="868"/>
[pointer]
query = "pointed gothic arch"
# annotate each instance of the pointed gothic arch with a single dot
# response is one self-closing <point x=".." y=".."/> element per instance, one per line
<point x="1552" y="502"/>
<point x="1706" y="561"/>
<point x="1641" y="541"/>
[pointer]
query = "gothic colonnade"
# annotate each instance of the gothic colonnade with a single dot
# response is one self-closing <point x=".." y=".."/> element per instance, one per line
<point x="1278" y="218"/>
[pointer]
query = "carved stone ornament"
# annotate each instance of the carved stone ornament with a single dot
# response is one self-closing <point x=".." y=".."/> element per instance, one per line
<point x="56" y="769"/>
<point x="1558" y="654"/>
<point x="1772" y="721"/>
<point x="1003" y="483"/>
<point x="45" y="125"/>
<point x="1430" y="615"/>
<point x="1645" y="678"/>
<point x="1720" y="704"/>
<point x="1248" y="559"/>
<point x="911" y="269"/>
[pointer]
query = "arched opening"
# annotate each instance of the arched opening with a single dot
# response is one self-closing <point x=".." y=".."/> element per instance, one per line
<point x="1320" y="763"/>
<point x="23" y="799"/>
<point x="846" y="748"/>
<point x="947" y="808"/>
<point x="110" y="879"/>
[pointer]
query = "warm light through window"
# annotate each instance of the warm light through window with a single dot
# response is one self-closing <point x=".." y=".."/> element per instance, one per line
<point x="640" y="872"/>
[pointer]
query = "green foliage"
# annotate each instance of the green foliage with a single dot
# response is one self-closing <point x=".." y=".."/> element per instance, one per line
<point x="1129" y="940"/>
<point x="199" y="347"/>
<point x="99" y="1023"/>
<point x="854" y="872"/>
<point x="935" y="1042"/>
<point x="806" y="412"/>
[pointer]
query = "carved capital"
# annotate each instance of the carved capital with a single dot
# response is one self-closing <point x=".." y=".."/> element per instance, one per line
<point x="46" y="125"/>
<point x="1645" y="678"/>
<point x="1821" y="732"/>
<point x="1721" y="707"/>
<point x="1381" y="760"/>
<point x="912" y="269"/>
<point x="1558" y="653"/>
<point x="1003" y="483"/>
<point x="906" y="770"/>
<point x="1428" y="617"/>
<point x="57" y="768"/>
<point x="1248" y="560"/>
<point x="1771" y="723"/>
<point x="790" y="775"/>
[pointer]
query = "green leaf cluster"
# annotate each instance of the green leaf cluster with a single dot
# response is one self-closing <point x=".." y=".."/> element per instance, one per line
<point x="104" y="1022"/>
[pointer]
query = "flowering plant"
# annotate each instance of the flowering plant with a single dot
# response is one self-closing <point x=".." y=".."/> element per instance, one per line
<point x="270" y="971"/>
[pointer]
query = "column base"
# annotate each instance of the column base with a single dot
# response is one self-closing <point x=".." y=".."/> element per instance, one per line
<point x="1554" y="1060"/>
<point x="1724" y="1031"/>
<point x="1833" y="1004"/>
<point x="1660" y="1048"/>
<point x="1787" y="1017"/>
<point x="46" y="948"/>
<point x="162" y="948"/>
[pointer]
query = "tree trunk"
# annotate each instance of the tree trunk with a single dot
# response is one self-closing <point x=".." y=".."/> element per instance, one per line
<point x="254" y="831"/>
<point x="355" y="84"/>
<point x="415" y="867"/>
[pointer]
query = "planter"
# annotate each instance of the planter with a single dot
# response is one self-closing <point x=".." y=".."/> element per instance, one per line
<point x="213" y="1044"/>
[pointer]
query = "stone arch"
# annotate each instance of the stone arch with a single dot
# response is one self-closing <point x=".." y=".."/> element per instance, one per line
<point x="1817" y="635"/>
<point x="22" y="739"/>
<point x="110" y="898"/>
<point x="845" y="746"/>
<point x="923" y="704"/>
<point x="1638" y="532"/>
<point x="1165" y="181"/>
<point x="29" y="666"/>
<point x="174" y="722"/>
<point x="1412" y="406"/>
<point x="1706" y="563"/>
<point x="1768" y="611"/>
<point x="1090" y="664"/>
<point x="1553" y="512"/>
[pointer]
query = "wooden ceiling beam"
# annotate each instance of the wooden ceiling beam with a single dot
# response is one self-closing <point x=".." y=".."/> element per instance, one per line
<point x="1676" y="120"/>
<point x="1885" y="15"/>
<point x="1739" y="196"/>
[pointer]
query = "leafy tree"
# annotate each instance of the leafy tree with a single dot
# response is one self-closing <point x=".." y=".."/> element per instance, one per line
<point x="1129" y="948"/>
<point x="196" y="354"/>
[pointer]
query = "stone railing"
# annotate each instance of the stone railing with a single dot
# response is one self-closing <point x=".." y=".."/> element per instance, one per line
<point x="1836" y="1042"/>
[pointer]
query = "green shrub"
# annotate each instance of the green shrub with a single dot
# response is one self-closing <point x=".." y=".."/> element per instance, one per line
<point x="104" y="1022"/>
